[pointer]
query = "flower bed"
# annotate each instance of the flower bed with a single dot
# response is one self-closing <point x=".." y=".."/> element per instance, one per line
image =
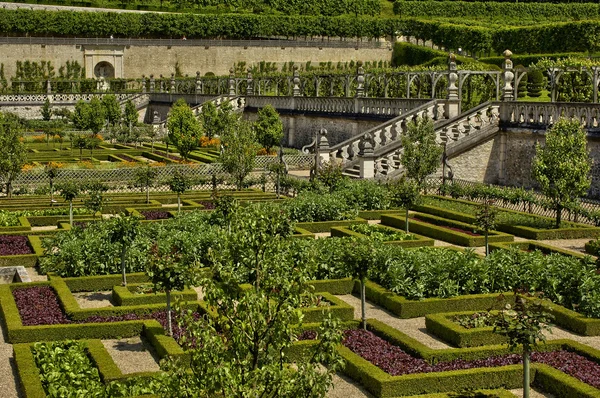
<point x="155" y="214"/>
<point x="128" y="158"/>
<point x="381" y="234"/>
<point x="168" y="155"/>
<point x="208" y="205"/>
<point x="11" y="245"/>
<point x="461" y="230"/>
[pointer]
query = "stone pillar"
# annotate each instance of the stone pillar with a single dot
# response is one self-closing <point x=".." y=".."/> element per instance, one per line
<point x="296" y="81"/>
<point x="249" y="83"/>
<point x="161" y="82"/>
<point x="291" y="132"/>
<point x="143" y="84"/>
<point x="155" y="117"/>
<point x="366" y="156"/>
<point x="507" y="77"/>
<point x="198" y="83"/>
<point x="323" y="147"/>
<point x="360" y="80"/>
<point x="452" y="100"/>
<point x="152" y="84"/>
<point x="48" y="87"/>
<point x="172" y="87"/>
<point x="231" y="82"/>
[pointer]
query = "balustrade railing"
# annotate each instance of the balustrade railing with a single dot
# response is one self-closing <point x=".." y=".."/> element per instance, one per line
<point x="545" y="114"/>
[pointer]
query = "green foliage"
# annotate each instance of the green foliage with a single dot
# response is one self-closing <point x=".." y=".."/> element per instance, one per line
<point x="69" y="190"/>
<point x="313" y="206"/>
<point x="13" y="154"/>
<point x="330" y="175"/>
<point x="535" y="83"/>
<point x="144" y="178"/>
<point x="130" y="116"/>
<point x="184" y="129"/>
<point x="95" y="201"/>
<point x="563" y="165"/>
<point x="379" y="234"/>
<point x="211" y="122"/>
<point x="268" y="128"/>
<point x="179" y="183"/>
<point x="365" y="194"/>
<point x="112" y="109"/>
<point x="239" y="142"/>
<point x="46" y="110"/>
<point x="422" y="155"/>
<point x="405" y="193"/>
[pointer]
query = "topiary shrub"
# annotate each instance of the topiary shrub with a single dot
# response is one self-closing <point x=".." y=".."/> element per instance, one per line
<point x="535" y="83"/>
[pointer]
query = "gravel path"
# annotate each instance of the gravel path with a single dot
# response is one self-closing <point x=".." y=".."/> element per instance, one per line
<point x="532" y="393"/>
<point x="576" y="245"/>
<point x="14" y="6"/>
<point x="34" y="275"/>
<point x="413" y="327"/>
<point x="345" y="387"/>
<point x="132" y="355"/>
<point x="8" y="375"/>
<point x="94" y="299"/>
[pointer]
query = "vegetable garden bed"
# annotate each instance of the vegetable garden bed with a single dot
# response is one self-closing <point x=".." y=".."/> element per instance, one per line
<point x="386" y="234"/>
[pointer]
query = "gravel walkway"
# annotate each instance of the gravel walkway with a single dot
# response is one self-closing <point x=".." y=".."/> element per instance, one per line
<point x="94" y="299"/>
<point x="14" y="6"/>
<point x="132" y="355"/>
<point x="8" y="374"/>
<point x="345" y="387"/>
<point x="532" y="393"/>
<point x="576" y="245"/>
<point x="34" y="275"/>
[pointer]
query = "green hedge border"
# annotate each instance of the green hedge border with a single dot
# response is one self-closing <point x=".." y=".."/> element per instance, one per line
<point x="325" y="226"/>
<point x="419" y="242"/>
<point x="25" y="260"/>
<point x="534" y="245"/>
<point x="438" y="231"/>
<point x="442" y="326"/>
<point x="123" y="296"/>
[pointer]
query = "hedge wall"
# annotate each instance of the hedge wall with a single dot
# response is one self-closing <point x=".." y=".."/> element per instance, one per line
<point x="123" y="296"/>
<point x="324" y="226"/>
<point x="442" y="326"/>
<point x="419" y="242"/>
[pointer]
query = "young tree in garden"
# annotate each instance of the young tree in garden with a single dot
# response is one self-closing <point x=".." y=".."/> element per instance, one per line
<point x="240" y="351"/>
<point x="486" y="220"/>
<point x="80" y="142"/>
<point x="239" y="151"/>
<point x="152" y="134"/>
<point x="92" y="143"/>
<point x="96" y="115"/>
<point x="167" y="273"/>
<point x="59" y="135"/>
<point x="51" y="170"/>
<point x="422" y="154"/>
<point x="179" y="183"/>
<point x="562" y="166"/>
<point x="46" y="111"/>
<point x="523" y="325"/>
<point x="268" y="127"/>
<point x="69" y="191"/>
<point x="81" y="115"/>
<point x="130" y="116"/>
<point x="211" y="123"/>
<point x="13" y="154"/>
<point x="124" y="229"/>
<point x="405" y="193"/>
<point x="184" y="129"/>
<point x="359" y="258"/>
<point x="144" y="178"/>
<point x="112" y="109"/>
<point x="95" y="200"/>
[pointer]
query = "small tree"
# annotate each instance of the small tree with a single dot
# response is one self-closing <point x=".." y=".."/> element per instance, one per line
<point x="81" y="115"/>
<point x="562" y="167"/>
<point x="405" y="193"/>
<point x="69" y="191"/>
<point x="96" y="200"/>
<point x="144" y="178"/>
<point x="167" y="273"/>
<point x="51" y="170"/>
<point x="96" y="115"/>
<point x="211" y="123"/>
<point x="46" y="110"/>
<point x="486" y="220"/>
<point x="523" y="326"/>
<point x="130" y="116"/>
<point x="179" y="183"/>
<point x="239" y="152"/>
<point x="422" y="154"/>
<point x="359" y="258"/>
<point x="268" y="127"/>
<point x="80" y="142"/>
<point x="123" y="230"/>
<point x="13" y="154"/>
<point x="184" y="129"/>
<point x="92" y="143"/>
<point x="112" y="109"/>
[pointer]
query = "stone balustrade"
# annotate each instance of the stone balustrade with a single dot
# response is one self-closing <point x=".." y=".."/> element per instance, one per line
<point x="540" y="115"/>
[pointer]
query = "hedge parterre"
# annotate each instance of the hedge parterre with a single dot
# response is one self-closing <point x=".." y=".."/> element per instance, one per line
<point x="14" y="244"/>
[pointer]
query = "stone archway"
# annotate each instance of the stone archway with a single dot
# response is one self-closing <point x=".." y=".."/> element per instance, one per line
<point x="104" y="70"/>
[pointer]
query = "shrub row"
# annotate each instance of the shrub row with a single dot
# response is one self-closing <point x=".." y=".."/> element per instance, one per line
<point x="123" y="296"/>
<point x="235" y="26"/>
<point x="442" y="326"/>
<point x="25" y="260"/>
<point x="529" y="245"/>
<point x="418" y="242"/>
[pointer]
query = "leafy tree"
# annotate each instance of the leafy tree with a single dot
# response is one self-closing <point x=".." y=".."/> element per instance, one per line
<point x="96" y="115"/>
<point x="152" y="134"/>
<point x="51" y="170"/>
<point x="562" y="166"/>
<point x="211" y="122"/>
<point x="486" y="220"/>
<point x="239" y="349"/>
<point x="46" y="110"/>
<point x="359" y="258"/>
<point x="179" y="183"/>
<point x="96" y="200"/>
<point x="80" y="116"/>
<point x="239" y="151"/>
<point x="523" y="325"/>
<point x="92" y="143"/>
<point x="59" y="135"/>
<point x="421" y="153"/>
<point x="167" y="273"/>
<point x="331" y="175"/>
<point x="144" y="178"/>
<point x="69" y="191"/>
<point x="124" y="229"/>
<point x="13" y="154"/>
<point x="268" y="127"/>
<point x="405" y="193"/>
<point x="112" y="109"/>
<point x="80" y="142"/>
<point x="184" y="129"/>
<point x="130" y="116"/>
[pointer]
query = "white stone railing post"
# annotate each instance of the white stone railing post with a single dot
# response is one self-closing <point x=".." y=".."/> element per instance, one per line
<point x="249" y="83"/>
<point x="507" y="77"/>
<point x="367" y="156"/>
<point x="231" y="82"/>
<point x="296" y="81"/>
<point x="452" y="99"/>
<point x="198" y="83"/>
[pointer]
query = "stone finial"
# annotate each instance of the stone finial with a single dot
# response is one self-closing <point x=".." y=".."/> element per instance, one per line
<point x="198" y="83"/>
<point x="231" y="82"/>
<point x="507" y="53"/>
<point x="322" y="140"/>
<point x="152" y="84"/>
<point x="143" y="83"/>
<point x="249" y="83"/>
<point x="507" y="77"/>
<point x="155" y="117"/>
<point x="296" y="81"/>
<point x="366" y="145"/>
<point x="451" y="57"/>
<point x="452" y="78"/>
<point x="172" y="86"/>
<point x="360" y="80"/>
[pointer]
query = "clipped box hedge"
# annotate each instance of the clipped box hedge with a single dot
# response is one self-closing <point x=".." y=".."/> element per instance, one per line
<point x="325" y="226"/>
<point x="125" y="296"/>
<point x="529" y="245"/>
<point x="419" y="242"/>
<point x="98" y="282"/>
<point x="442" y="326"/>
<point x="25" y="260"/>
<point x="333" y="286"/>
<point x="434" y="227"/>
<point x="338" y="309"/>
<point x="578" y="231"/>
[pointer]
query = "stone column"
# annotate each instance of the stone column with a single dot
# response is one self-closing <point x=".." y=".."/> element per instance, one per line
<point x="249" y="83"/>
<point x="366" y="156"/>
<point x="152" y="84"/>
<point x="232" y="82"/>
<point x="198" y="83"/>
<point x="48" y="87"/>
<point x="452" y="99"/>
<point x="507" y="77"/>
<point x="143" y="84"/>
<point x="296" y="81"/>
<point x="172" y="88"/>
<point x="360" y="80"/>
<point x="323" y="147"/>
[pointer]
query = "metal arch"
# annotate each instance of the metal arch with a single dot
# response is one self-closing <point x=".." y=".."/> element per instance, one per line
<point x="435" y="79"/>
<point x="410" y="79"/>
<point x="518" y="77"/>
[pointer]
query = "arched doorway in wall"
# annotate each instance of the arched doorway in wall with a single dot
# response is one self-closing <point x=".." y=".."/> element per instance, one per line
<point x="104" y="70"/>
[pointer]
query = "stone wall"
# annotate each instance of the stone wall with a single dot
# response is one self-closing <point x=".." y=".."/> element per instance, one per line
<point x="138" y="60"/>
<point x="481" y="163"/>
